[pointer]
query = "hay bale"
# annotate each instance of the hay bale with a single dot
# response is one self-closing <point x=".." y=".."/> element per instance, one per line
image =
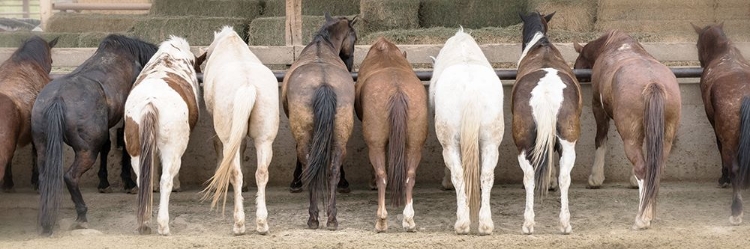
<point x="70" y="22"/>
<point x="199" y="31"/>
<point x="470" y="13"/>
<point x="381" y="15"/>
<point x="438" y="35"/>
<point x="269" y="31"/>
<point x="248" y="9"/>
<point x="571" y="15"/>
<point x="122" y="12"/>
<point x="618" y="10"/>
<point x="92" y="39"/>
<point x="313" y="7"/>
<point x="15" y="39"/>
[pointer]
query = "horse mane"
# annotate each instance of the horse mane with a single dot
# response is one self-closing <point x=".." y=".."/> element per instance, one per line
<point x="323" y="35"/>
<point x="530" y="28"/>
<point x="34" y="49"/>
<point x="140" y="49"/>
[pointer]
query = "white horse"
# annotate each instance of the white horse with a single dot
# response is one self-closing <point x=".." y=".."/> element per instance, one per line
<point x="243" y="96"/>
<point x="160" y="112"/>
<point x="467" y="98"/>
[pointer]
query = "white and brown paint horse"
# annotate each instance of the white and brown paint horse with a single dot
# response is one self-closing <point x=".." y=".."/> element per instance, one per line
<point x="725" y="88"/>
<point x="160" y="112"/>
<point x="546" y="104"/>
<point x="467" y="98"/>
<point x="643" y="98"/>
<point x="392" y="104"/>
<point x="242" y="94"/>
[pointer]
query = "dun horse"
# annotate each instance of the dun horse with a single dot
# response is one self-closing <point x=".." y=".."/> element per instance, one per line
<point x="726" y="96"/>
<point x="78" y="109"/>
<point x="546" y="116"/>
<point x="392" y="104"/>
<point x="22" y="76"/>
<point x="318" y="97"/>
<point x="467" y="98"/>
<point x="160" y="112"/>
<point x="643" y="98"/>
<point x="242" y="95"/>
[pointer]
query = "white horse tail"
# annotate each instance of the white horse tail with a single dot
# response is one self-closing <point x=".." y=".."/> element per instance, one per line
<point x="470" y="122"/>
<point x="244" y="100"/>
<point x="147" y="136"/>
<point x="546" y="99"/>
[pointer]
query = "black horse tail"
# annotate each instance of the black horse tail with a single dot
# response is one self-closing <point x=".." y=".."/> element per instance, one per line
<point x="51" y="173"/>
<point x="147" y="137"/>
<point x="397" y="118"/>
<point x="743" y="148"/>
<point x="653" y="123"/>
<point x="324" y="111"/>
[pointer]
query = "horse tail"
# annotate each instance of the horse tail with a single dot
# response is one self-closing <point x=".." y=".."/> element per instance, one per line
<point x="470" y="122"/>
<point x="147" y="136"/>
<point x="244" y="101"/>
<point x="397" y="118"/>
<point x="743" y="158"/>
<point x="51" y="173"/>
<point x="544" y="110"/>
<point x="324" y="113"/>
<point x="653" y="123"/>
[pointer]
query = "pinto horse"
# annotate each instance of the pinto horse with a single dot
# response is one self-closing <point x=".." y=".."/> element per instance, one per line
<point x="643" y="98"/>
<point x="392" y="104"/>
<point x="726" y="96"/>
<point x="318" y="97"/>
<point x="22" y="76"/>
<point x="160" y="112"/>
<point x="242" y="95"/>
<point x="546" y="104"/>
<point x="467" y="98"/>
<point x="78" y="109"/>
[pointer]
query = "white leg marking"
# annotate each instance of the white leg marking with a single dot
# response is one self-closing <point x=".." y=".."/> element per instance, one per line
<point x="528" y="183"/>
<point x="567" y="161"/>
<point x="408" y="222"/>
<point x="239" y="208"/>
<point x="640" y="222"/>
<point x="489" y="161"/>
<point x="597" y="170"/>
<point x="453" y="161"/>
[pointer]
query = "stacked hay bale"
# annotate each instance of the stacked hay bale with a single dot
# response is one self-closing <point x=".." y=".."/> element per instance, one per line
<point x="314" y="7"/>
<point x="736" y="17"/>
<point x="247" y="9"/>
<point x="119" y="12"/>
<point x="653" y="16"/>
<point x="70" y="22"/>
<point x="382" y="15"/>
<point x="470" y="13"/>
<point x="269" y="31"/>
<point x="570" y="15"/>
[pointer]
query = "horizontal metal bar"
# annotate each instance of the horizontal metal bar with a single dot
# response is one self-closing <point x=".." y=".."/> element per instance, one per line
<point x="503" y="74"/>
<point x="101" y="6"/>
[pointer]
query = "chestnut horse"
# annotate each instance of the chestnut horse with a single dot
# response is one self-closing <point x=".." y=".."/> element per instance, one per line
<point x="643" y="98"/>
<point x="726" y="97"/>
<point x="242" y="95"/>
<point x="318" y="97"/>
<point x="392" y="104"/>
<point x="78" y="109"/>
<point x="22" y="76"/>
<point x="160" y="112"/>
<point x="467" y="98"/>
<point x="546" y="104"/>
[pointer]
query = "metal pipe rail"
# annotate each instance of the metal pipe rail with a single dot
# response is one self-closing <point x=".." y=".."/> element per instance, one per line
<point x="503" y="74"/>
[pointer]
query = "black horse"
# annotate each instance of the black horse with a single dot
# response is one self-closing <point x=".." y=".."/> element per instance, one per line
<point x="79" y="109"/>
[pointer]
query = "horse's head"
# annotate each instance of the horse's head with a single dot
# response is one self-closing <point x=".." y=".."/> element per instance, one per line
<point x="339" y="31"/>
<point x="199" y="61"/>
<point x="711" y="41"/>
<point x="534" y="23"/>
<point x="584" y="60"/>
<point x="37" y="50"/>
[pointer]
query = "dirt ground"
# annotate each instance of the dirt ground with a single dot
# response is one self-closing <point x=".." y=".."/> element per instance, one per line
<point x="693" y="215"/>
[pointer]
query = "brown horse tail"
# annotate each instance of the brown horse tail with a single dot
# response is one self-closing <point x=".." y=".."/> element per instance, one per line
<point x="653" y="123"/>
<point x="397" y="117"/>
<point x="147" y="136"/>
<point x="470" y="156"/>
<point x="743" y="149"/>
<point x="324" y="111"/>
<point x="244" y="101"/>
<point x="51" y="172"/>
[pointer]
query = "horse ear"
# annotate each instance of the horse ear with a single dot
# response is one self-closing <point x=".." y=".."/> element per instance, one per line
<point x="404" y="54"/>
<point x="354" y="20"/>
<point x="199" y="61"/>
<point x="521" y="16"/>
<point x="721" y="25"/>
<point x="549" y="17"/>
<point x="328" y="17"/>
<point x="577" y="47"/>
<point x="696" y="28"/>
<point x="53" y="42"/>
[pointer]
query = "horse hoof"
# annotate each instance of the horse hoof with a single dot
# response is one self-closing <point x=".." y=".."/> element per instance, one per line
<point x="313" y="224"/>
<point x="144" y="230"/>
<point x="332" y="225"/>
<point x="381" y="225"/>
<point x="566" y="229"/>
<point x="409" y="225"/>
<point x="295" y="190"/>
<point x="735" y="220"/>
<point x="176" y="190"/>
<point x="723" y="184"/>
<point x="446" y="188"/>
<point x="79" y="225"/>
<point x="238" y="230"/>
<point x="105" y="190"/>
<point x="132" y="191"/>
<point x="344" y="190"/>
<point x="528" y="228"/>
<point x="462" y="228"/>
<point x="588" y="186"/>
<point x="9" y="190"/>
<point x="641" y="225"/>
<point x="485" y="229"/>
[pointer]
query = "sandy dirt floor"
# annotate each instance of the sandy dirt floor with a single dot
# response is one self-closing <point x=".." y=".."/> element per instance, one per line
<point x="689" y="215"/>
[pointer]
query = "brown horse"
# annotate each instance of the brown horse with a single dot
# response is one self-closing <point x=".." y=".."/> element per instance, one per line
<point x="643" y="98"/>
<point x="392" y="104"/>
<point x="22" y="76"/>
<point x="546" y="116"/>
<point x="318" y="97"/>
<point x="726" y="97"/>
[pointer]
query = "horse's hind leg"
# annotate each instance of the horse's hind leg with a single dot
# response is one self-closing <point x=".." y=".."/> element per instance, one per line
<point x="489" y="161"/>
<point x="452" y="158"/>
<point x="377" y="158"/>
<point x="414" y="156"/>
<point x="634" y="154"/>
<point x="528" y="183"/>
<point x="296" y="185"/>
<point x="596" y="178"/>
<point x="343" y="186"/>
<point x="34" y="168"/>
<point x="337" y="159"/>
<point x="103" y="182"/>
<point x="128" y="185"/>
<point x="567" y="161"/>
<point x="264" y="151"/>
<point x="84" y="159"/>
<point x="171" y="162"/>
<point x="446" y="184"/>
<point x="8" y="177"/>
<point x="730" y="162"/>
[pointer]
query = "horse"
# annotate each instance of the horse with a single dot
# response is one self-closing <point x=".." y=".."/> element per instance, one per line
<point x="726" y="98"/>
<point x="467" y="98"/>
<point x="22" y="76"/>
<point x="160" y="112"/>
<point x="392" y="104"/>
<point x="242" y="95"/>
<point x="78" y="109"/>
<point x="318" y="97"/>
<point x="643" y="98"/>
<point x="546" y="111"/>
